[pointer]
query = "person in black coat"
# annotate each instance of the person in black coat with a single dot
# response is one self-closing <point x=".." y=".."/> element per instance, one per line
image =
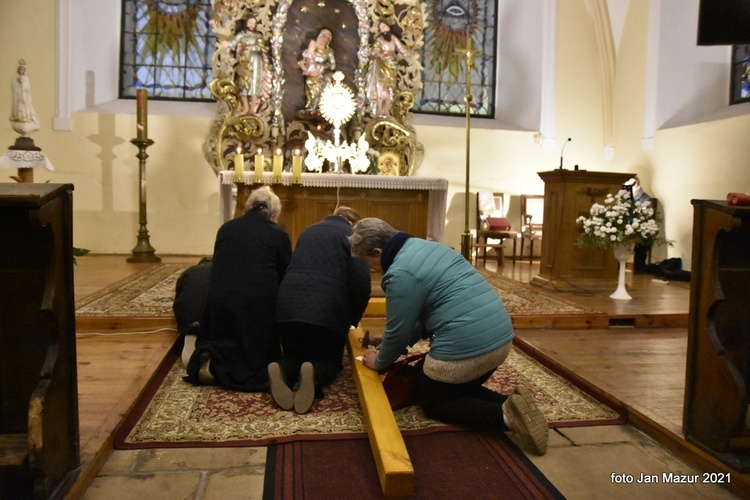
<point x="324" y="292"/>
<point x="640" y="251"/>
<point x="189" y="301"/>
<point x="238" y="336"/>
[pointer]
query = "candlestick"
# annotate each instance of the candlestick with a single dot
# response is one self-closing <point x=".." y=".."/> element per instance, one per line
<point x="278" y="162"/>
<point x="141" y="124"/>
<point x="258" y="167"/>
<point x="143" y="251"/>
<point x="239" y="166"/>
<point x="296" y="167"/>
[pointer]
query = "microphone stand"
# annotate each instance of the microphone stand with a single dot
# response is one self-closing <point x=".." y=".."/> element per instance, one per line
<point x="561" y="152"/>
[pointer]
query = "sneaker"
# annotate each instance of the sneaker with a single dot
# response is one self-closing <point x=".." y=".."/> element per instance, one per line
<point x="525" y="418"/>
<point x="280" y="392"/>
<point x="305" y="395"/>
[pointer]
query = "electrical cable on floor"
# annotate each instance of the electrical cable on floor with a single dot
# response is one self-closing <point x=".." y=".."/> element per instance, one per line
<point x="110" y="334"/>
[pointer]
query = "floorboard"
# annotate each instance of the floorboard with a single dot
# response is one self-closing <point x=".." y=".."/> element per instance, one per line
<point x="637" y="357"/>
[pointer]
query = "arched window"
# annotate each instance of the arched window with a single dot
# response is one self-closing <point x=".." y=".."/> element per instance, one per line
<point x="166" y="48"/>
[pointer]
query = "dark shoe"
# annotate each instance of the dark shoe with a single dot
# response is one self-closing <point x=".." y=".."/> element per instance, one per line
<point x="525" y="418"/>
<point x="280" y="392"/>
<point x="204" y="374"/>
<point x="305" y="395"/>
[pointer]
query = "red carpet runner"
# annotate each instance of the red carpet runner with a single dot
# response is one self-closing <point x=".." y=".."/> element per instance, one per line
<point x="454" y="465"/>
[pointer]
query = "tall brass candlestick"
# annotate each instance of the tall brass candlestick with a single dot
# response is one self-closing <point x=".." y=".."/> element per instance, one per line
<point x="143" y="251"/>
<point x="466" y="237"/>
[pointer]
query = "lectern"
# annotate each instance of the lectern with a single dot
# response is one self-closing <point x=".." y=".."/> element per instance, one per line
<point x="569" y="194"/>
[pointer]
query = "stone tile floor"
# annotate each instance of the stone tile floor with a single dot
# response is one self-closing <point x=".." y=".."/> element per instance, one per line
<point x="580" y="462"/>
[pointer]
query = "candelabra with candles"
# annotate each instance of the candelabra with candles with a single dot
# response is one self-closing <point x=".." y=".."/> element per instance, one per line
<point x="143" y="251"/>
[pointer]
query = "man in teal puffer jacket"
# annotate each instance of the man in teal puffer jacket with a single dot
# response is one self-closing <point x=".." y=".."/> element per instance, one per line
<point x="432" y="291"/>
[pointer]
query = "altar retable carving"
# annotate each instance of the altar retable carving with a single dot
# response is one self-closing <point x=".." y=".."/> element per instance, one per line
<point x="274" y="59"/>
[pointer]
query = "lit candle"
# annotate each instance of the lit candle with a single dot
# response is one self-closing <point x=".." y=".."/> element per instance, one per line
<point x="239" y="164"/>
<point x="141" y="124"/>
<point x="278" y="162"/>
<point x="259" y="166"/>
<point x="296" y="167"/>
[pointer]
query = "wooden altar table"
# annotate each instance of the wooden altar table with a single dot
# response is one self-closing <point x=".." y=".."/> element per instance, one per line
<point x="415" y="205"/>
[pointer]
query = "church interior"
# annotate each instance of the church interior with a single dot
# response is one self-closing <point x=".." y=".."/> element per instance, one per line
<point x="616" y="88"/>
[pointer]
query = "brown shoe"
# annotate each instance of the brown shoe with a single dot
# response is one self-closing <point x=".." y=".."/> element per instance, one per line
<point x="305" y="395"/>
<point x="280" y="392"/>
<point x="525" y="418"/>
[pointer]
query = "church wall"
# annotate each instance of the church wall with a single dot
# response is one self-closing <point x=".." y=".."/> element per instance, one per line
<point x="702" y="160"/>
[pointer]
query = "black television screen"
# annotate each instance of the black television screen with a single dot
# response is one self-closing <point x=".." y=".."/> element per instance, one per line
<point x="724" y="22"/>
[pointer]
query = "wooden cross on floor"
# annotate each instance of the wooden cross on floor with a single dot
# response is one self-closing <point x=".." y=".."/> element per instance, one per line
<point x="395" y="469"/>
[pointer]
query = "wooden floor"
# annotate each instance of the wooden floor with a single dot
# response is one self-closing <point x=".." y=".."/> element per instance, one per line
<point x="638" y="360"/>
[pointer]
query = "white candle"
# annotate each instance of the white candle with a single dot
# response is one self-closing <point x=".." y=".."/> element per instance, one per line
<point x="259" y="166"/>
<point x="278" y="162"/>
<point x="239" y="164"/>
<point x="296" y="167"/>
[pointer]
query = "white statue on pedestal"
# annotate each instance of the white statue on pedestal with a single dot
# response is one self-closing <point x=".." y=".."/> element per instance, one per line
<point x="23" y="118"/>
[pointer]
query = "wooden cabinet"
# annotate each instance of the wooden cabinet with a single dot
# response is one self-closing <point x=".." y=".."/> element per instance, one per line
<point x="569" y="194"/>
<point x="39" y="442"/>
<point x="716" y="411"/>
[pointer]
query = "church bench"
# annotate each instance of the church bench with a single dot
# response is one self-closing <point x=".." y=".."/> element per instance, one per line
<point x="395" y="469"/>
<point x="39" y="440"/>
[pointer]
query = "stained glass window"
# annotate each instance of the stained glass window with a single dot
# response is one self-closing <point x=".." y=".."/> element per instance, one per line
<point x="451" y="22"/>
<point x="166" y="48"/>
<point x="740" y="74"/>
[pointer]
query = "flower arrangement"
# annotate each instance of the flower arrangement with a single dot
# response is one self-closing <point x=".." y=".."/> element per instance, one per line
<point x="619" y="221"/>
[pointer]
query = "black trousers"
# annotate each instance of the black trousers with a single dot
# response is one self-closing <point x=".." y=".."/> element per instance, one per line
<point x="469" y="404"/>
<point x="323" y="347"/>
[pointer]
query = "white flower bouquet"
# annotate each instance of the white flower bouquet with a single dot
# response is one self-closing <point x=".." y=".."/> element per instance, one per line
<point x="619" y="221"/>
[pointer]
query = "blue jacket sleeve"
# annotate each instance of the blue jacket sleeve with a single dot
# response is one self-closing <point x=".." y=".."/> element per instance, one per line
<point x="405" y="297"/>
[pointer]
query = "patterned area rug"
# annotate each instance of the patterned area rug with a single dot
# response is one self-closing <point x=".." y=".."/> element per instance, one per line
<point x="150" y="293"/>
<point x="174" y="413"/>
<point x="525" y="300"/>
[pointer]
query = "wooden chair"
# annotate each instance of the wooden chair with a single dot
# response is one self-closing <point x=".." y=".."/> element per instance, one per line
<point x="492" y="225"/>
<point x="532" y="221"/>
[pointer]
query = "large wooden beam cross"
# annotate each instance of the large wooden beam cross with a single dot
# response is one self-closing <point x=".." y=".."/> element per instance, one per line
<point x="395" y="469"/>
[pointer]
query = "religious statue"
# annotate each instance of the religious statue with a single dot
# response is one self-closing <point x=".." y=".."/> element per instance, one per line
<point x="382" y="74"/>
<point x="249" y="71"/>
<point x="318" y="64"/>
<point x="23" y="118"/>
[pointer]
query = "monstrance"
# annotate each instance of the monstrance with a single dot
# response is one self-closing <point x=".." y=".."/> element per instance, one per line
<point x="337" y="106"/>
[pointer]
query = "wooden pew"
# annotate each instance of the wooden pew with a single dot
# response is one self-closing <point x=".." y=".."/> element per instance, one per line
<point x="39" y="442"/>
<point x="395" y="469"/>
